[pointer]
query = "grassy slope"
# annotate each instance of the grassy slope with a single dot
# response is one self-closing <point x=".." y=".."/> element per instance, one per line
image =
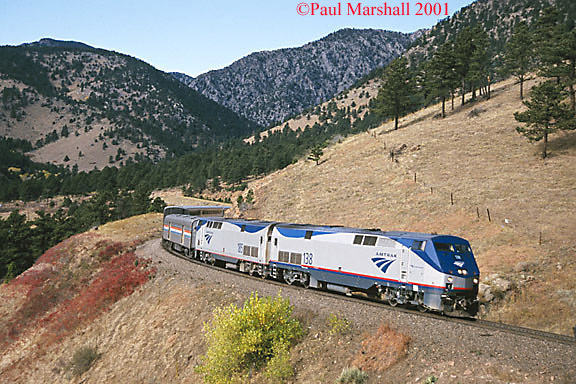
<point x="485" y="164"/>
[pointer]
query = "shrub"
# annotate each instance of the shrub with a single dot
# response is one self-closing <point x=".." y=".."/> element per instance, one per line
<point x="381" y="350"/>
<point x="352" y="376"/>
<point x="258" y="335"/>
<point x="82" y="360"/>
<point x="339" y="325"/>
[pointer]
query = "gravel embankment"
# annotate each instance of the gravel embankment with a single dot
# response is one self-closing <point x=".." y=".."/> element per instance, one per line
<point x="452" y="352"/>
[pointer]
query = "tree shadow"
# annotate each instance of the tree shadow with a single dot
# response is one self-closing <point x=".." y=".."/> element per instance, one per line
<point x="562" y="143"/>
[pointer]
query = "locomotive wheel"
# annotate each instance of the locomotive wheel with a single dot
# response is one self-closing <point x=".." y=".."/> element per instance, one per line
<point x="392" y="301"/>
<point x="422" y="308"/>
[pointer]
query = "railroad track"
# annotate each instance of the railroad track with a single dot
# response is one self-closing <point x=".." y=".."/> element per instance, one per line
<point x="488" y="325"/>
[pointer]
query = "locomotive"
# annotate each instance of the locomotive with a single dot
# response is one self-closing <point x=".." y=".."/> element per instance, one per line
<point x="432" y="272"/>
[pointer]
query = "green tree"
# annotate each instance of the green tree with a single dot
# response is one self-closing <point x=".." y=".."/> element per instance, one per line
<point x="440" y="74"/>
<point x="556" y="51"/>
<point x="395" y="97"/>
<point x="479" y="61"/>
<point x="316" y="154"/>
<point x="463" y="50"/>
<point x="519" y="55"/>
<point x="546" y="113"/>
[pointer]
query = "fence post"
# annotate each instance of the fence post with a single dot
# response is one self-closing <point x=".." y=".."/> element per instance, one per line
<point x="488" y="211"/>
<point x="451" y="198"/>
<point x="540" y="238"/>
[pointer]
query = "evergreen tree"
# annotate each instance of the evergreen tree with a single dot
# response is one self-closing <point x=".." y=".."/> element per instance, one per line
<point x="480" y="60"/>
<point x="464" y="51"/>
<point x="316" y="153"/>
<point x="546" y="113"/>
<point x="519" y="56"/>
<point x="556" y="49"/>
<point x="441" y="78"/>
<point x="395" y="97"/>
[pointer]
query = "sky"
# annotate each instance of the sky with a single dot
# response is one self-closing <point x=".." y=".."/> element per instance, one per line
<point x="197" y="36"/>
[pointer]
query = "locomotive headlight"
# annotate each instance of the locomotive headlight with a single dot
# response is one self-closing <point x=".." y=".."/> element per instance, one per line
<point x="464" y="272"/>
<point x="459" y="271"/>
<point x="475" y="280"/>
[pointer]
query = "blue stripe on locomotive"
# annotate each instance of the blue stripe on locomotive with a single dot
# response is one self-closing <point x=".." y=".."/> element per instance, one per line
<point x="298" y="233"/>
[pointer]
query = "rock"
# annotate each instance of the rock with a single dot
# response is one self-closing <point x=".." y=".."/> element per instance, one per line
<point x="525" y="266"/>
<point x="485" y="293"/>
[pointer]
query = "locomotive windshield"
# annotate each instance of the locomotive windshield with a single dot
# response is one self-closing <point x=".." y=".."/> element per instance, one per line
<point x="447" y="247"/>
<point x="444" y="247"/>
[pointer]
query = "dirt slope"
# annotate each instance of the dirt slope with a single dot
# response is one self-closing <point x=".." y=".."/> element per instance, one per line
<point x="473" y="157"/>
<point x="155" y="336"/>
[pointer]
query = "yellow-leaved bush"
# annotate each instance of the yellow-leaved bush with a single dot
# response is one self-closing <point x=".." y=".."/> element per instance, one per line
<point x="242" y="341"/>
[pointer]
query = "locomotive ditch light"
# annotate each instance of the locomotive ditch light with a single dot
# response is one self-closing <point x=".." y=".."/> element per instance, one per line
<point x="475" y="280"/>
<point x="450" y="279"/>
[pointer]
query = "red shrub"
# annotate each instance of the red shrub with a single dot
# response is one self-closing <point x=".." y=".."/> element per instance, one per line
<point x="60" y="297"/>
<point x="117" y="278"/>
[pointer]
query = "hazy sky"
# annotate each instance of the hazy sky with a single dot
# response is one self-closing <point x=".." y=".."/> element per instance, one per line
<point x="195" y="36"/>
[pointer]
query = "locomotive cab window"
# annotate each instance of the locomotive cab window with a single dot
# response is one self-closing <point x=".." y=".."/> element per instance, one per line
<point x="419" y="245"/>
<point x="358" y="239"/>
<point x="462" y="248"/>
<point x="308" y="235"/>
<point x="443" y="247"/>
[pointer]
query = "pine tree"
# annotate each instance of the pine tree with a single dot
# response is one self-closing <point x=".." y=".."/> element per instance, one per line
<point x="316" y="153"/>
<point x="546" y="113"/>
<point x="441" y="78"/>
<point x="480" y="60"/>
<point x="395" y="97"/>
<point x="464" y="50"/>
<point x="519" y="56"/>
<point x="556" y="51"/>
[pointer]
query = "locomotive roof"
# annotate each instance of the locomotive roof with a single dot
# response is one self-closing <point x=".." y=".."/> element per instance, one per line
<point x="376" y="231"/>
<point x="317" y="228"/>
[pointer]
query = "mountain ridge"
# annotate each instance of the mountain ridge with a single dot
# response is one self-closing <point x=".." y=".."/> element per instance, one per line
<point x="94" y="107"/>
<point x="268" y="86"/>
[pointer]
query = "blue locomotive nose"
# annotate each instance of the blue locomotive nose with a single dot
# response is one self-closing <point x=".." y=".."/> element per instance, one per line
<point x="455" y="257"/>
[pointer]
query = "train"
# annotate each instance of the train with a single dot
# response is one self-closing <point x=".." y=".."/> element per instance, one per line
<point x="428" y="271"/>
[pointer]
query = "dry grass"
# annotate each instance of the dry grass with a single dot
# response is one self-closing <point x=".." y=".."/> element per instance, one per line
<point x="174" y="196"/>
<point x="133" y="229"/>
<point x="479" y="159"/>
<point x="381" y="350"/>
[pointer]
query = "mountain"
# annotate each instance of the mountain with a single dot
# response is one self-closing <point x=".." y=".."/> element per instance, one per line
<point x="269" y="86"/>
<point x="497" y="17"/>
<point x="53" y="43"/>
<point x="92" y="107"/>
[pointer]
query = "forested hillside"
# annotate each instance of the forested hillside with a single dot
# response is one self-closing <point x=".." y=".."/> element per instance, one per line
<point x="498" y="18"/>
<point x="93" y="107"/>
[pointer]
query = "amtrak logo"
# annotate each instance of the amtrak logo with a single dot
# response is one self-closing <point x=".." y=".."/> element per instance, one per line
<point x="208" y="237"/>
<point x="382" y="263"/>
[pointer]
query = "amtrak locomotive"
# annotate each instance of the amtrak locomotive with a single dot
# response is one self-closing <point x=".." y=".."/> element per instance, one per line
<point x="433" y="272"/>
